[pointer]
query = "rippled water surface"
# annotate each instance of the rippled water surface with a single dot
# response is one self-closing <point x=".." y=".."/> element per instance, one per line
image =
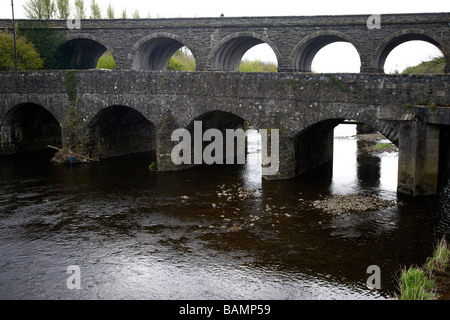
<point x="213" y="232"/>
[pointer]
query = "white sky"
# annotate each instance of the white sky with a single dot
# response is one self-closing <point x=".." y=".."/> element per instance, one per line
<point x="233" y="8"/>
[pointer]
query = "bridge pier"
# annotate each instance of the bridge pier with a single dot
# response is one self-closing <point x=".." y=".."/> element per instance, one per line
<point x="309" y="149"/>
<point x="418" y="164"/>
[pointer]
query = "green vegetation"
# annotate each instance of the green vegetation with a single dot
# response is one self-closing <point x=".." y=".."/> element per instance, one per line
<point x="420" y="283"/>
<point x="136" y="14"/>
<point x="27" y="56"/>
<point x="440" y="259"/>
<point x="79" y="8"/>
<point x="40" y="9"/>
<point x="257" y="66"/>
<point x="71" y="118"/>
<point x="433" y="66"/>
<point x="153" y="166"/>
<point x="181" y="61"/>
<point x="416" y="285"/>
<point x="110" y="11"/>
<point x="339" y="83"/>
<point x="382" y="146"/>
<point x="106" y="61"/>
<point x="95" y="10"/>
<point x="71" y="86"/>
<point x="47" y="41"/>
<point x="63" y="8"/>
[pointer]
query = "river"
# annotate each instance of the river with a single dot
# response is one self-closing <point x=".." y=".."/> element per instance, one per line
<point x="212" y="232"/>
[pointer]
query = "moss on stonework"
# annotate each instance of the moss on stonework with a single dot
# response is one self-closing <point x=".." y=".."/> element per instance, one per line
<point x="71" y="86"/>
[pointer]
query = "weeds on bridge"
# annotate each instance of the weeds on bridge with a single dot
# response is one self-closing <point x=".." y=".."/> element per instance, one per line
<point x="339" y="83"/>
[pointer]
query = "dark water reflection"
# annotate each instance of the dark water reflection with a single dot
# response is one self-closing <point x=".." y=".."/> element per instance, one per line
<point x="207" y="233"/>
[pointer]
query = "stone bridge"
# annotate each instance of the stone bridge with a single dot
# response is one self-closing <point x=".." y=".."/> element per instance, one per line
<point x="219" y="43"/>
<point x="111" y="113"/>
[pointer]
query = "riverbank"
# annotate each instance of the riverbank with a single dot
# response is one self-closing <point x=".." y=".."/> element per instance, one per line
<point x="430" y="282"/>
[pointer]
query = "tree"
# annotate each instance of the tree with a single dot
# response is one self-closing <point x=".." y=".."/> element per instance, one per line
<point x="47" y="41"/>
<point x="136" y="14"/>
<point x="106" y="61"/>
<point x="27" y="56"/>
<point x="40" y="9"/>
<point x="95" y="10"/>
<point x="110" y="11"/>
<point x="124" y="13"/>
<point x="63" y="9"/>
<point x="80" y="10"/>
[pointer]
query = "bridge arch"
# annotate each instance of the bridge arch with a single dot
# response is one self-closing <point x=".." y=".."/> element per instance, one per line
<point x="154" y="51"/>
<point x="119" y="130"/>
<point x="29" y="127"/>
<point x="303" y="53"/>
<point x="227" y="54"/>
<point x="313" y="145"/>
<point x="82" y="51"/>
<point x="392" y="41"/>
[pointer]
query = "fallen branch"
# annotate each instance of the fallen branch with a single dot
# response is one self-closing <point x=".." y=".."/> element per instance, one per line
<point x="66" y="155"/>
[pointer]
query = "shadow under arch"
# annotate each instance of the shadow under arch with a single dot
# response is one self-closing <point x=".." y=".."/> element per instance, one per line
<point x="154" y="51"/>
<point x="313" y="146"/>
<point x="303" y="53"/>
<point x="29" y="127"/>
<point x="227" y="54"/>
<point x="82" y="51"/>
<point x="222" y="121"/>
<point x="392" y="41"/>
<point x="120" y="130"/>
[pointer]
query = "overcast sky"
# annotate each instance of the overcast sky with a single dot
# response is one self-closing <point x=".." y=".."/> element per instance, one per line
<point x="233" y="8"/>
<point x="210" y="8"/>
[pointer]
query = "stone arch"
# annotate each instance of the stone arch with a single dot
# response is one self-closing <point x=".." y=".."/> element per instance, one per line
<point x="304" y="51"/>
<point x="82" y="51"/>
<point x="226" y="54"/>
<point x="119" y="130"/>
<point x="154" y="51"/>
<point x="313" y="145"/>
<point x="29" y="127"/>
<point x="393" y="40"/>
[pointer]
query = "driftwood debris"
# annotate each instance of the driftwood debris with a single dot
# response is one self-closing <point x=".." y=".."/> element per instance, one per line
<point x="67" y="156"/>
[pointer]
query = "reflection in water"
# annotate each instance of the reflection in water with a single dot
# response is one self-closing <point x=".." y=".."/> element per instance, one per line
<point x="213" y="232"/>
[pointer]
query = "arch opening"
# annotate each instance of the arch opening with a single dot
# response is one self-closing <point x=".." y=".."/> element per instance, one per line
<point x="410" y="56"/>
<point x="259" y="58"/>
<point x="336" y="57"/>
<point x="155" y="53"/>
<point x="224" y="143"/>
<point x="182" y="59"/>
<point x="29" y="127"/>
<point x="229" y="54"/>
<point x="309" y="48"/>
<point x="352" y="154"/>
<point x="120" y="130"/>
<point x="82" y="53"/>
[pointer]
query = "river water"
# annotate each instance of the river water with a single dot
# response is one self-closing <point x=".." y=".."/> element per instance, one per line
<point x="212" y="232"/>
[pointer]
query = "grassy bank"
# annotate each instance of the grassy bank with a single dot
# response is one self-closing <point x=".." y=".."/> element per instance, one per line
<point x="430" y="282"/>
